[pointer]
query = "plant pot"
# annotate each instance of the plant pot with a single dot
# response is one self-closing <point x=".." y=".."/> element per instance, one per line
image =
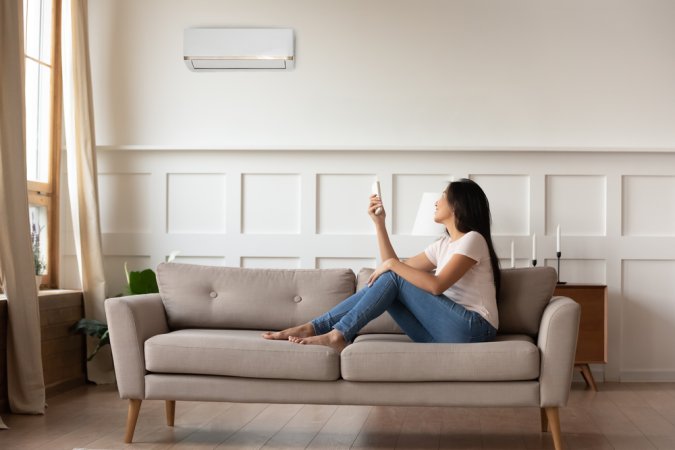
<point x="38" y="281"/>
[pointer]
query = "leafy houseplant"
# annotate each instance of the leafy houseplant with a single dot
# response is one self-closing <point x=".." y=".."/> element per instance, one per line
<point x="138" y="283"/>
<point x="38" y="261"/>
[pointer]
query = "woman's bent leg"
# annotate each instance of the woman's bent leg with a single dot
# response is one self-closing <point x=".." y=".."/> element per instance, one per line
<point x="374" y="301"/>
<point x="444" y="319"/>
<point x="425" y="317"/>
<point x="324" y="323"/>
<point x="407" y="321"/>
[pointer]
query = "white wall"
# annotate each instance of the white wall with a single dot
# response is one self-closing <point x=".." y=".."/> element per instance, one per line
<point x="491" y="78"/>
<point x="393" y="73"/>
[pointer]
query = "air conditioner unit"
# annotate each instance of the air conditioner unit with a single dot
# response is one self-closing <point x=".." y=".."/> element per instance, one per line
<point x="213" y="49"/>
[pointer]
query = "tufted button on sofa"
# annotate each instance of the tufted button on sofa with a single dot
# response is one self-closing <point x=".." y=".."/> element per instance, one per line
<point x="199" y="339"/>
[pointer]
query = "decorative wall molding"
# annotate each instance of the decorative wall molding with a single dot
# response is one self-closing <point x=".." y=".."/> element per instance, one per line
<point x="390" y="148"/>
<point x="604" y="201"/>
<point x="648" y="218"/>
<point x="196" y="203"/>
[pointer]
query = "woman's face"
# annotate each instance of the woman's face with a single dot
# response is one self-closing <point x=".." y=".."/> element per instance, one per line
<point x="443" y="210"/>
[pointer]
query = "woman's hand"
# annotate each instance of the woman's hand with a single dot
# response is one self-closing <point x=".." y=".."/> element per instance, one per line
<point x="384" y="267"/>
<point x="376" y="202"/>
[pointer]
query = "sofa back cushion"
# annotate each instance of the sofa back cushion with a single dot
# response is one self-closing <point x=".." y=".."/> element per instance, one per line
<point x="523" y="296"/>
<point x="262" y="299"/>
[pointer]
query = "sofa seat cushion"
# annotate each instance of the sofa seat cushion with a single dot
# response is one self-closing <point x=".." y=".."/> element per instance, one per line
<point x="239" y="353"/>
<point x="391" y="357"/>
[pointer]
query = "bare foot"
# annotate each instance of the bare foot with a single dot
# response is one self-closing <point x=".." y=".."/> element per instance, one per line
<point x="333" y="339"/>
<point x="304" y="330"/>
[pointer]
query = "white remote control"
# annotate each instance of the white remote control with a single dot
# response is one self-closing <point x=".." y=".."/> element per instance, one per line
<point x="376" y="191"/>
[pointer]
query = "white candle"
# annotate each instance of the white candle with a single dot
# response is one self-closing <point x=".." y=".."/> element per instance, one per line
<point x="534" y="247"/>
<point x="557" y="240"/>
<point x="513" y="256"/>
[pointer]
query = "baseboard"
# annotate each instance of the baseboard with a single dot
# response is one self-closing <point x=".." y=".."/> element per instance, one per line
<point x="647" y="375"/>
<point x="63" y="386"/>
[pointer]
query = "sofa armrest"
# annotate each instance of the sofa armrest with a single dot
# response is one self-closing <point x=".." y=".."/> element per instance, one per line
<point x="131" y="321"/>
<point x="557" y="342"/>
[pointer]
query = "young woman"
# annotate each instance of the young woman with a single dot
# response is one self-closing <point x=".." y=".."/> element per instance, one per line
<point x="455" y="303"/>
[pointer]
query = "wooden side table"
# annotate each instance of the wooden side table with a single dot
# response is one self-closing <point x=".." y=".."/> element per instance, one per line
<point x="592" y="340"/>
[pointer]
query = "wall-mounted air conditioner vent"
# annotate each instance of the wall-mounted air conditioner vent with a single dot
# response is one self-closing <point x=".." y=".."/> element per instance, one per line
<point x="211" y="49"/>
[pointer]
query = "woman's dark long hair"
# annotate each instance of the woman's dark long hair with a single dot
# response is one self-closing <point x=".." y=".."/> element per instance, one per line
<point x="472" y="213"/>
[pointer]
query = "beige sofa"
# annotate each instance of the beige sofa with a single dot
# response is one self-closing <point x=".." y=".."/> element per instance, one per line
<point x="200" y="340"/>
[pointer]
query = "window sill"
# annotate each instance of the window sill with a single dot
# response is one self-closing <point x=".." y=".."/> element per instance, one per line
<point x="49" y="293"/>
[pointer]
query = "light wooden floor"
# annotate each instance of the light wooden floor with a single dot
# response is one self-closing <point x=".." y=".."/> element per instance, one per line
<point x="632" y="416"/>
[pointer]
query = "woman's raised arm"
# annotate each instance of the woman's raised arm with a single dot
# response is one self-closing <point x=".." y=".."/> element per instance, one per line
<point x="383" y="242"/>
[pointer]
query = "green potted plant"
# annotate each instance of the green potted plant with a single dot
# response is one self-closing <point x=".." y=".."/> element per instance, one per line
<point x="138" y="283"/>
<point x="38" y="260"/>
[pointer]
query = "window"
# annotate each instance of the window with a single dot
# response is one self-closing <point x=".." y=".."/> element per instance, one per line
<point x="43" y="128"/>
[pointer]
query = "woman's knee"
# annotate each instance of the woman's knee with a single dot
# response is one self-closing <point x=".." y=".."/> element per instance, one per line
<point x="389" y="276"/>
<point x="386" y="279"/>
<point x="391" y="273"/>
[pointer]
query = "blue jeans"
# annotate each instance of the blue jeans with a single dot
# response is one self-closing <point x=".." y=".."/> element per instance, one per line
<point x="424" y="317"/>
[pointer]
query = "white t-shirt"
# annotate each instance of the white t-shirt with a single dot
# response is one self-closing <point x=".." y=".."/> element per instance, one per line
<point x="476" y="289"/>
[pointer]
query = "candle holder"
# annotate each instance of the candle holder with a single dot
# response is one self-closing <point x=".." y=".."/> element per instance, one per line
<point x="534" y="263"/>
<point x="559" y="254"/>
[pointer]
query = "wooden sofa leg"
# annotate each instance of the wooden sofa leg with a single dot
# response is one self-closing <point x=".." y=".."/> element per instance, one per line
<point x="132" y="417"/>
<point x="554" y="424"/>
<point x="544" y="420"/>
<point x="170" y="412"/>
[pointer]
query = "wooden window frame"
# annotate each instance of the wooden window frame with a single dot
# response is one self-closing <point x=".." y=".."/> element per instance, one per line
<point x="47" y="194"/>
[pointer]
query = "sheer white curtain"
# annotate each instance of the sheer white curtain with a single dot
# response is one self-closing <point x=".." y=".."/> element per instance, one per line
<point x="82" y="174"/>
<point x="24" y="360"/>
